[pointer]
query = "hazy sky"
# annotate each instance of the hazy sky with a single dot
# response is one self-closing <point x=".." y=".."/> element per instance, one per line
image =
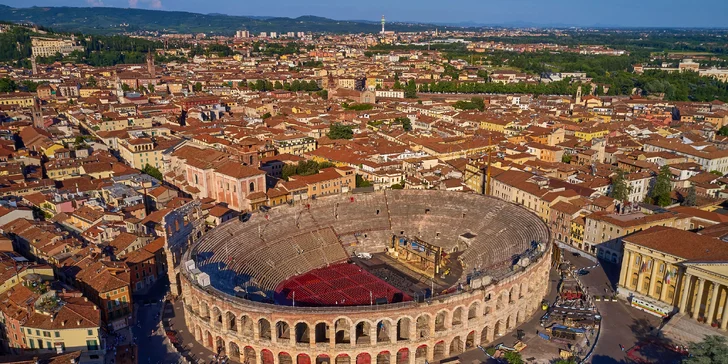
<point x="648" y="13"/>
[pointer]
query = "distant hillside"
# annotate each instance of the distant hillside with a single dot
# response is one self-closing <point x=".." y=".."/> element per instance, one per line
<point x="106" y="20"/>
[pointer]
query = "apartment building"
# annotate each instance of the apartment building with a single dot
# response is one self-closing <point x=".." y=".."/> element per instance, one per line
<point x="604" y="230"/>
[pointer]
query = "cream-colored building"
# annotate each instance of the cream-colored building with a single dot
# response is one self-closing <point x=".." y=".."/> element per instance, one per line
<point x="63" y="324"/>
<point x="45" y="47"/>
<point x="678" y="269"/>
<point x="22" y="99"/>
<point x="605" y="231"/>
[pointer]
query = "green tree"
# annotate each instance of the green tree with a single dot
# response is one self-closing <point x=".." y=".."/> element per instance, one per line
<point x="266" y="116"/>
<point x="712" y="350"/>
<point x="513" y="357"/>
<point x="410" y="91"/>
<point x="91" y="82"/>
<point x="398" y="186"/>
<point x="153" y="171"/>
<point x="723" y="131"/>
<point x="197" y="87"/>
<point x="620" y="189"/>
<point x="125" y="87"/>
<point x="340" y="131"/>
<point x="717" y="173"/>
<point x="7" y="85"/>
<point x="660" y="193"/>
<point x="691" y="199"/>
<point x="566" y="158"/>
<point x="278" y="85"/>
<point x="361" y="182"/>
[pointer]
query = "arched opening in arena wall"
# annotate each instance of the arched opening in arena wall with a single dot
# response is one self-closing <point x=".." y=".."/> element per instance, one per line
<point x="423" y="326"/>
<point x="421" y="354"/>
<point x="403" y="329"/>
<point x="342" y="359"/>
<point x="342" y="328"/>
<point x="219" y="345"/>
<point x="509" y="323"/>
<point x="470" y="341"/>
<point x="302" y="334"/>
<point x="264" y="329"/>
<point x="364" y="358"/>
<point x="246" y="326"/>
<point x="519" y="318"/>
<point x="303" y="359"/>
<point x="440" y="321"/>
<point x="322" y="332"/>
<point x="198" y="334"/>
<point x="249" y="355"/>
<point x="522" y="289"/>
<point x="284" y="358"/>
<point x="231" y="321"/>
<point x="283" y="331"/>
<point x="439" y="351"/>
<point x="209" y="342"/>
<point x="234" y="351"/>
<point x="403" y="356"/>
<point x="457" y="316"/>
<point x="323" y="359"/>
<point x="204" y="311"/>
<point x="363" y="331"/>
<point x="266" y="357"/>
<point x="456" y="346"/>
<point x="487" y="311"/>
<point x="484" y="335"/>
<point x="473" y="311"/>
<point x="499" y="301"/>
<point x="498" y="329"/>
<point x="512" y="295"/>
<point x="383" y="329"/>
<point x="383" y="357"/>
<point x="216" y="316"/>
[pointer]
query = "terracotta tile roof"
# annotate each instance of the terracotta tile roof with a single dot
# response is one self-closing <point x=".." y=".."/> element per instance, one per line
<point x="681" y="243"/>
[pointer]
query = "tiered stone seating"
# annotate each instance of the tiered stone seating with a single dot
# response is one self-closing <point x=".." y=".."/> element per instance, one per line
<point x="291" y="240"/>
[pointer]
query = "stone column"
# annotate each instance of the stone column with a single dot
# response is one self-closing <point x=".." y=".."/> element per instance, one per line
<point x="665" y="286"/>
<point x="352" y="336"/>
<point x="624" y="275"/>
<point x="685" y="289"/>
<point x="332" y="337"/>
<point x="724" y="318"/>
<point x="710" y="314"/>
<point x="698" y="298"/>
<point x="640" y="276"/>
<point x="653" y="278"/>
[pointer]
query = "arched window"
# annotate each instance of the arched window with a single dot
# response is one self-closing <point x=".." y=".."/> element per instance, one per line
<point x="196" y="181"/>
<point x="252" y="186"/>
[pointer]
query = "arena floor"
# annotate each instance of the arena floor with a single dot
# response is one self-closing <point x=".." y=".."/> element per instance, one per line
<point x="341" y="284"/>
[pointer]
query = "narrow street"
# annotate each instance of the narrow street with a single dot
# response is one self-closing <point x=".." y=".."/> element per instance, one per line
<point x="152" y="346"/>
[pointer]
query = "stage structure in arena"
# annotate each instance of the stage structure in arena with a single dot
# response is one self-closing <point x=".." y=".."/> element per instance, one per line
<point x="418" y="255"/>
<point x="325" y="283"/>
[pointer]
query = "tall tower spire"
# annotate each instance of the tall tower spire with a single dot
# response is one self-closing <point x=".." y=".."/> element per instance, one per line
<point x="383" y="21"/>
<point x="150" y="63"/>
<point x="34" y="65"/>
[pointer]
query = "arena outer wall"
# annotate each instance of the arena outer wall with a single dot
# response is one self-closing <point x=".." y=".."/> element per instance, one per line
<point x="410" y="332"/>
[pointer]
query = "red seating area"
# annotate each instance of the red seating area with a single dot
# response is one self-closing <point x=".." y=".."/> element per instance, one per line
<point x="339" y="284"/>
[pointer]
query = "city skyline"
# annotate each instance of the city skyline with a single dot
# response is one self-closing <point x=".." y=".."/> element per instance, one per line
<point x="559" y="13"/>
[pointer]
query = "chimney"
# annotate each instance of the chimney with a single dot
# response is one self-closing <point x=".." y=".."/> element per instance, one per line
<point x="63" y="323"/>
<point x="78" y="322"/>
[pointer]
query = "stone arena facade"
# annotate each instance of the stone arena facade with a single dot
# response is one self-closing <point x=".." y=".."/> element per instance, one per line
<point x="405" y="332"/>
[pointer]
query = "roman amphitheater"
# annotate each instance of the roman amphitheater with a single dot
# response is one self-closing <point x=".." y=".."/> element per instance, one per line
<point x="400" y="276"/>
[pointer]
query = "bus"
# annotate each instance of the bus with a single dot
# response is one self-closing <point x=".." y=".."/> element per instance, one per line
<point x="650" y="306"/>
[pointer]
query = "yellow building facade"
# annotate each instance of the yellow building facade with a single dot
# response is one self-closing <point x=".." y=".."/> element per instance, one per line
<point x="659" y="266"/>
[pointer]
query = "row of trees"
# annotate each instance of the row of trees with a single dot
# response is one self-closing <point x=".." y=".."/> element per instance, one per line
<point x="553" y="88"/>
<point x="295" y="86"/>
<point x="304" y="168"/>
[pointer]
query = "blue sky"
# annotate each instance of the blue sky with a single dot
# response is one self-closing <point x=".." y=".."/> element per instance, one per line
<point x="649" y="13"/>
